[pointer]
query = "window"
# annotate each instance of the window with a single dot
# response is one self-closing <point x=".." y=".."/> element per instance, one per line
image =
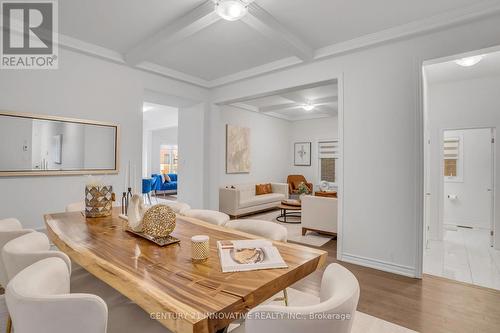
<point x="168" y="159"/>
<point x="328" y="153"/>
<point x="452" y="155"/>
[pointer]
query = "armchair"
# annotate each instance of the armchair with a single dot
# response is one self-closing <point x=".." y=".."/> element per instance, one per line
<point x="294" y="181"/>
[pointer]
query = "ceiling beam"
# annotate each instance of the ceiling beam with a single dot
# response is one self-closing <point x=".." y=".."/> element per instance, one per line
<point x="297" y="97"/>
<point x="269" y="27"/>
<point x="246" y="107"/>
<point x="280" y="107"/>
<point x="189" y="24"/>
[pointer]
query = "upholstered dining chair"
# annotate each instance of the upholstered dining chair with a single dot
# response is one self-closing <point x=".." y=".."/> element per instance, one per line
<point x="333" y="311"/>
<point x="39" y="300"/>
<point x="25" y="250"/>
<point x="10" y="229"/>
<point x="76" y="207"/>
<point x="266" y="229"/>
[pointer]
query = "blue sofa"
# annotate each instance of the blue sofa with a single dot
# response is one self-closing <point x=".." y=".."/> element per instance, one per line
<point x="160" y="186"/>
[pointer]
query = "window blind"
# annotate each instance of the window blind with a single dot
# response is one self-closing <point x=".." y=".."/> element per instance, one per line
<point x="329" y="149"/>
<point x="451" y="147"/>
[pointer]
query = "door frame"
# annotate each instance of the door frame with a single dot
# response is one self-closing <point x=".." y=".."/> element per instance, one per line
<point x="493" y="174"/>
<point x="337" y="77"/>
<point x="421" y="145"/>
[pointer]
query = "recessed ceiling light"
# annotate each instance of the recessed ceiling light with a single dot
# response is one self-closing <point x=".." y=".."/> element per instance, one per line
<point x="308" y="106"/>
<point x="469" y="61"/>
<point x="232" y="10"/>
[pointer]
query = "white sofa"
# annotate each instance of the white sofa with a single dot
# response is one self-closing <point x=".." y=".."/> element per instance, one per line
<point x="319" y="214"/>
<point x="242" y="200"/>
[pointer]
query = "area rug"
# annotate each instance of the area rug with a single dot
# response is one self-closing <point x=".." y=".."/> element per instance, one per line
<point x="294" y="230"/>
<point x="363" y="323"/>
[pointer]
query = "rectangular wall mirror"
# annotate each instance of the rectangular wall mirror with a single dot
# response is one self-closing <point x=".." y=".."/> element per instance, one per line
<point x="34" y="145"/>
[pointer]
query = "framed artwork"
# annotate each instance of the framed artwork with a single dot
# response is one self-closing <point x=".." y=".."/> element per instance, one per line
<point x="237" y="149"/>
<point x="302" y="154"/>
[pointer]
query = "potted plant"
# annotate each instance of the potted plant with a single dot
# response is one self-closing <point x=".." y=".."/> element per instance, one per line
<point x="302" y="190"/>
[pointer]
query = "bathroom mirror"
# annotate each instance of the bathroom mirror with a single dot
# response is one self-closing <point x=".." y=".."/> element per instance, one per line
<point x="34" y="145"/>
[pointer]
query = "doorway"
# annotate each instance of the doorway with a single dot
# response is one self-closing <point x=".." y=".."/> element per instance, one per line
<point x="285" y="124"/>
<point x="461" y="169"/>
<point x="160" y="152"/>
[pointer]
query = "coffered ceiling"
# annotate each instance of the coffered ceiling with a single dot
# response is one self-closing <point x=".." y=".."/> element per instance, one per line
<point x="289" y="104"/>
<point x="187" y="40"/>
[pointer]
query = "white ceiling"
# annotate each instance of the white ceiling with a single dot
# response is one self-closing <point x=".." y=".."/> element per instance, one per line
<point x="289" y="104"/>
<point x="184" y="39"/>
<point x="450" y="71"/>
<point x="156" y="116"/>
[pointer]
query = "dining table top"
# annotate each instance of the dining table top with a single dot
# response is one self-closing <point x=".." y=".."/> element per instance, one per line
<point x="185" y="296"/>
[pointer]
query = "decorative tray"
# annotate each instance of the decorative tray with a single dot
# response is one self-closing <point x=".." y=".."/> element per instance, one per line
<point x="160" y="241"/>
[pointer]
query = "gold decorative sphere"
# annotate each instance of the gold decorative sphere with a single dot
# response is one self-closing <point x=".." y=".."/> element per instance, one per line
<point x="158" y="221"/>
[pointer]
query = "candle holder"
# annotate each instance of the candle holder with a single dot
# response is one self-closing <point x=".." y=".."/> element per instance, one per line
<point x="124" y="203"/>
<point x="128" y="198"/>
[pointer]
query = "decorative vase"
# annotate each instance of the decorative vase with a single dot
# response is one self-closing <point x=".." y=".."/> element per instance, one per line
<point x="98" y="200"/>
<point x="135" y="213"/>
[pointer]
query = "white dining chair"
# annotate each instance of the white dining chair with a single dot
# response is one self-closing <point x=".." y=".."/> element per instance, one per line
<point x="76" y="207"/>
<point x="266" y="229"/>
<point x="332" y="312"/>
<point x="25" y="250"/>
<point x="10" y="228"/>
<point x="39" y="300"/>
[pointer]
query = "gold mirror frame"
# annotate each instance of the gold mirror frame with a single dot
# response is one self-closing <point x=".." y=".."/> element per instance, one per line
<point x="66" y="172"/>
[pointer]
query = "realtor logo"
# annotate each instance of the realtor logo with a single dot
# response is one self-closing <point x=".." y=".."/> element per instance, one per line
<point x="29" y="35"/>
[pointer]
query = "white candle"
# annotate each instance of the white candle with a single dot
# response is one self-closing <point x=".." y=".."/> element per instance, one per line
<point x="125" y="179"/>
<point x="135" y="179"/>
<point x="129" y="175"/>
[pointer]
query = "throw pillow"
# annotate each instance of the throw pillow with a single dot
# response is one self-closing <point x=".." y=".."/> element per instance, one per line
<point x="261" y="189"/>
<point x="165" y="178"/>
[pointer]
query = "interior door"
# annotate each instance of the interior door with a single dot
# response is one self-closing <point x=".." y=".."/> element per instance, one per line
<point x="468" y="197"/>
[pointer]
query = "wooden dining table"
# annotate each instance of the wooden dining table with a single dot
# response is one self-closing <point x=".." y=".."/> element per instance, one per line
<point x="184" y="296"/>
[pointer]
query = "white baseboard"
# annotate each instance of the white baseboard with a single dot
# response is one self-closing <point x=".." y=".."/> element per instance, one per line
<point x="380" y="265"/>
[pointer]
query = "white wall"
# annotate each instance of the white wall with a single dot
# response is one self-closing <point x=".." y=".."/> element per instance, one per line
<point x="87" y="88"/>
<point x="165" y="136"/>
<point x="192" y="155"/>
<point x="382" y="134"/>
<point x="454" y="105"/>
<point x="472" y="206"/>
<point x="269" y="146"/>
<point x="312" y="131"/>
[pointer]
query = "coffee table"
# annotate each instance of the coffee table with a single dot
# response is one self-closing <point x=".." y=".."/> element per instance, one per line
<point x="289" y="211"/>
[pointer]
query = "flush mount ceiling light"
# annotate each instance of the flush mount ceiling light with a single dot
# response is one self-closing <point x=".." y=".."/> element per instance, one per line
<point x="232" y="10"/>
<point x="469" y="61"/>
<point x="309" y="106"/>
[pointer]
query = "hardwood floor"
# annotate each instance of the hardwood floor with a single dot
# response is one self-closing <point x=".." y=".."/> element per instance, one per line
<point x="432" y="304"/>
